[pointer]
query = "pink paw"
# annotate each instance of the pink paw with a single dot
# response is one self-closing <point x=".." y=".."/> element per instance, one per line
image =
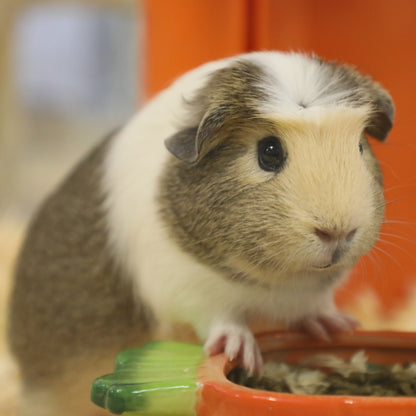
<point x="324" y="326"/>
<point x="235" y="342"/>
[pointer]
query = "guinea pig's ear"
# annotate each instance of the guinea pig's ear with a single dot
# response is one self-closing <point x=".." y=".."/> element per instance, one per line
<point x="190" y="144"/>
<point x="183" y="144"/>
<point x="230" y="93"/>
<point x="381" y="120"/>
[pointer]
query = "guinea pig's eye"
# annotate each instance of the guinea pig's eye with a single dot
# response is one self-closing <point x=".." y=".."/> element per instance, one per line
<point x="271" y="155"/>
<point x="360" y="146"/>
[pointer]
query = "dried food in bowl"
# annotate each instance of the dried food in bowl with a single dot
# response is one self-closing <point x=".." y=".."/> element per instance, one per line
<point x="329" y="374"/>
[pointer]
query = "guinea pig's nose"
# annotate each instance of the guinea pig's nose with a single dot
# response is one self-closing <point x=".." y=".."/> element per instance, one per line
<point x="351" y="235"/>
<point x="324" y="235"/>
<point x="327" y="236"/>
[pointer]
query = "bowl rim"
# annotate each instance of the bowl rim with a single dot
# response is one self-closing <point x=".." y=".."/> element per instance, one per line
<point x="213" y="372"/>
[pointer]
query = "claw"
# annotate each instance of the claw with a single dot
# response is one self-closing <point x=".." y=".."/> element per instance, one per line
<point x="236" y="342"/>
<point x="323" y="327"/>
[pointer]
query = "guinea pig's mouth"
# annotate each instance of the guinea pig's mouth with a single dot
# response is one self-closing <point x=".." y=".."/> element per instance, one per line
<point x="327" y="266"/>
<point x="332" y="267"/>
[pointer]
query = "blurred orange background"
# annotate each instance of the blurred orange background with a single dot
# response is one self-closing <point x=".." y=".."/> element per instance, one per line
<point x="376" y="36"/>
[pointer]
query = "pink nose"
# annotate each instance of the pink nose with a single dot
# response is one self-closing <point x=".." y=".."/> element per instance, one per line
<point x="327" y="236"/>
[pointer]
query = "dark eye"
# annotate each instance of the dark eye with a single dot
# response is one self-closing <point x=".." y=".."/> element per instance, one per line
<point x="360" y="146"/>
<point x="271" y="155"/>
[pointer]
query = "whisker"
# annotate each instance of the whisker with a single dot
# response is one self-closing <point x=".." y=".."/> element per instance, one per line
<point x="371" y="256"/>
<point x="408" y="240"/>
<point x="390" y="256"/>
<point x="396" y="246"/>
<point x="407" y="228"/>
<point x="400" y="198"/>
<point x="399" y="186"/>
<point x="390" y="168"/>
<point x="378" y="261"/>
<point x="390" y="221"/>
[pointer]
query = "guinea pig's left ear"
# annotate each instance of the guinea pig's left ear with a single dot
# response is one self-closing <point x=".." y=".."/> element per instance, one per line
<point x="381" y="119"/>
<point x="190" y="144"/>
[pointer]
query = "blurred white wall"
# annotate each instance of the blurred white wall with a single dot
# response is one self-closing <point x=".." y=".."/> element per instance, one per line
<point x="72" y="58"/>
<point x="74" y="67"/>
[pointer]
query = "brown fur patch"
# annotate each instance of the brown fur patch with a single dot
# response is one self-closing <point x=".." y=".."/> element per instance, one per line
<point x="70" y="298"/>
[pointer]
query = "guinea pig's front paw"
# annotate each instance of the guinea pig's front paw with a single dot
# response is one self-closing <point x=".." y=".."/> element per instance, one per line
<point x="324" y="326"/>
<point x="235" y="341"/>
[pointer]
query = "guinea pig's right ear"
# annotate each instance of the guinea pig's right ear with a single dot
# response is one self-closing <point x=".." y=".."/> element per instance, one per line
<point x="381" y="120"/>
<point x="190" y="144"/>
<point x="183" y="144"/>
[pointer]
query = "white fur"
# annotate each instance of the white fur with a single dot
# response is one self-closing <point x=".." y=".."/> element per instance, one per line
<point x="174" y="283"/>
<point x="295" y="81"/>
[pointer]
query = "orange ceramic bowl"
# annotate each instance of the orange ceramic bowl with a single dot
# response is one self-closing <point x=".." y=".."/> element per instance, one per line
<point x="220" y="397"/>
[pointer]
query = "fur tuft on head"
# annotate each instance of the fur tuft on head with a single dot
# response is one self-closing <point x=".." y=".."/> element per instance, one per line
<point x="281" y="84"/>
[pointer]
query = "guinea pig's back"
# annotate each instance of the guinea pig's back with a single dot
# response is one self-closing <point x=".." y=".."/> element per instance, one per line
<point x="70" y="296"/>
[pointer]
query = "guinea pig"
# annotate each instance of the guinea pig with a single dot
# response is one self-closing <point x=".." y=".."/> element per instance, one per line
<point x="246" y="189"/>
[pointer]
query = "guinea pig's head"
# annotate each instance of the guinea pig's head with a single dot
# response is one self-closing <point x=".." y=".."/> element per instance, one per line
<point x="273" y="174"/>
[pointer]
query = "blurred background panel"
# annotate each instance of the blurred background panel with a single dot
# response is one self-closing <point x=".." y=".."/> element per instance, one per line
<point x="74" y="58"/>
<point x="71" y="71"/>
<point x="182" y="34"/>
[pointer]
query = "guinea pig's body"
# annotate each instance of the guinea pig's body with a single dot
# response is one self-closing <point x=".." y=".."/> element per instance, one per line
<point x="267" y="197"/>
